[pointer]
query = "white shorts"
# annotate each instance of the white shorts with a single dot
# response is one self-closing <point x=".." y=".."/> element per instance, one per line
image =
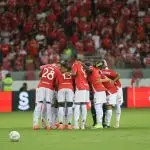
<point x="82" y="96"/>
<point x="111" y="99"/>
<point x="100" y="97"/>
<point x="65" y="95"/>
<point x="119" y="96"/>
<point x="44" y="94"/>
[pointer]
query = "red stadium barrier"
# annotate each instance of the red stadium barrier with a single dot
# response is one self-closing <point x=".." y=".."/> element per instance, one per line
<point x="5" y="101"/>
<point x="138" y="97"/>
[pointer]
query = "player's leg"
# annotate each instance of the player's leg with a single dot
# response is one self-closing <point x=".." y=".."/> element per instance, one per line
<point x="118" y="107"/>
<point x="118" y="115"/>
<point x="65" y="115"/>
<point x="61" y="108"/>
<point x="93" y="111"/>
<point x="49" y="98"/>
<point x="69" y="104"/>
<point x="99" y="99"/>
<point x="104" y="114"/>
<point x="77" y="102"/>
<point x="44" y="115"/>
<point x="40" y="95"/>
<point x="61" y="114"/>
<point x="54" y="117"/>
<point x="85" y="96"/>
<point x="55" y="111"/>
<point x="69" y="114"/>
<point x="83" y="115"/>
<point x="99" y="115"/>
<point x="111" y="101"/>
<point x="76" y="115"/>
<point x="108" y="116"/>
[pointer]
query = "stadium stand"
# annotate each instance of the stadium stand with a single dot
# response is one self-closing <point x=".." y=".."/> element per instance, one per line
<point x="34" y="32"/>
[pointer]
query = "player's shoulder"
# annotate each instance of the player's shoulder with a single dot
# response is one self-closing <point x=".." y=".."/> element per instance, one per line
<point x="45" y="66"/>
<point x="106" y="71"/>
<point x="112" y="71"/>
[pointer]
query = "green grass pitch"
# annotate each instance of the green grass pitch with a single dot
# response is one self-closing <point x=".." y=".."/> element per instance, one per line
<point x="134" y="134"/>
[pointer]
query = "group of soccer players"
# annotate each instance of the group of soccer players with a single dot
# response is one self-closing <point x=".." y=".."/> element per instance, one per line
<point x="64" y="91"/>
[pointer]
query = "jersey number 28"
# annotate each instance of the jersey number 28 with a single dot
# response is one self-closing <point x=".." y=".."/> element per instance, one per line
<point x="49" y="74"/>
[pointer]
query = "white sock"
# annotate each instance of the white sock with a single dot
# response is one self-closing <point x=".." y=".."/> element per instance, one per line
<point x="43" y="112"/>
<point x="49" y="114"/>
<point x="66" y="115"/>
<point x="69" y="115"/>
<point x="54" y="115"/>
<point x="76" y="115"/>
<point x="118" y="113"/>
<point x="83" y="114"/>
<point x="99" y="113"/>
<point x="108" y="117"/>
<point x="37" y="112"/>
<point x="61" y="114"/>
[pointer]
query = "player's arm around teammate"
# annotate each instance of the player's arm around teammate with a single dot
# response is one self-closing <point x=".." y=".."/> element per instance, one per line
<point x="111" y="90"/>
<point x="99" y="93"/>
<point x="116" y="79"/>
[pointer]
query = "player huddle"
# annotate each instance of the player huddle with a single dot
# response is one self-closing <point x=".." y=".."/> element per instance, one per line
<point x="63" y="93"/>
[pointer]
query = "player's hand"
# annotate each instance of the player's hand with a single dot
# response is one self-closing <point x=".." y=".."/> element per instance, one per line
<point x="111" y="81"/>
<point x="99" y="80"/>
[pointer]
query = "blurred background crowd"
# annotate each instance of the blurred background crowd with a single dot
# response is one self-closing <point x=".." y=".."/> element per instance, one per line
<point x="36" y="32"/>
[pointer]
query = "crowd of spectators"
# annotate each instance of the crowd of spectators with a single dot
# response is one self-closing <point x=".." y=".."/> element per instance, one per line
<point x="35" y="32"/>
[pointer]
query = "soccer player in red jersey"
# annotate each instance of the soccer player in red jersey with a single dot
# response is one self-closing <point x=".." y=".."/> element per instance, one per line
<point x="65" y="96"/>
<point x="96" y="80"/>
<point x="81" y="93"/>
<point x="45" y="92"/>
<point x="114" y="76"/>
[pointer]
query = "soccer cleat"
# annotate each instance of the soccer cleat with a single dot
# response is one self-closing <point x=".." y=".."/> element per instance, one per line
<point x="82" y="127"/>
<point x="36" y="127"/>
<point x="66" y="126"/>
<point x="117" y="125"/>
<point x="61" y="127"/>
<point x="54" y="127"/>
<point x="76" y="127"/>
<point x="69" y="127"/>
<point x="106" y="126"/>
<point x="98" y="126"/>
<point x="57" y="125"/>
<point x="49" y="128"/>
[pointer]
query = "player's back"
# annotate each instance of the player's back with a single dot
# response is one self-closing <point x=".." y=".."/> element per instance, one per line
<point x="81" y="77"/>
<point x="93" y="79"/>
<point x="48" y="76"/>
<point x="112" y="75"/>
<point x="108" y="85"/>
<point x="65" y="81"/>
